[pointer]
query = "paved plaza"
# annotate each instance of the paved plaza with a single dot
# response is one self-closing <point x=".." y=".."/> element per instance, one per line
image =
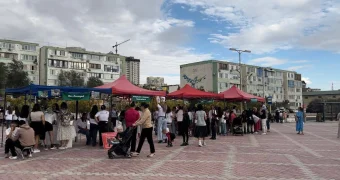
<point x="282" y="154"/>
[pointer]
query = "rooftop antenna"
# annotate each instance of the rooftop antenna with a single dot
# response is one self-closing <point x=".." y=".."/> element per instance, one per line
<point x="332" y="87"/>
<point x="116" y="46"/>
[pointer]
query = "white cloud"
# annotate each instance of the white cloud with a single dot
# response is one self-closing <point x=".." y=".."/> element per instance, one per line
<point x="307" y="81"/>
<point x="269" y="26"/>
<point x="156" y="38"/>
<point x="272" y="61"/>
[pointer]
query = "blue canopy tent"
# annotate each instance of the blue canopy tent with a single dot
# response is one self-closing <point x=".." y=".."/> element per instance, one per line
<point x="34" y="89"/>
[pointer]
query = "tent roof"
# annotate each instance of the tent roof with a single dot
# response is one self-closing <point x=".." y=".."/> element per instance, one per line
<point x="236" y="94"/>
<point x="33" y="89"/>
<point x="122" y="86"/>
<point x="190" y="93"/>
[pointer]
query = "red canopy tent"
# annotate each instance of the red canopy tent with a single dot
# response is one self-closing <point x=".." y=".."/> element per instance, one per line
<point x="122" y="86"/>
<point x="235" y="94"/>
<point x="188" y="92"/>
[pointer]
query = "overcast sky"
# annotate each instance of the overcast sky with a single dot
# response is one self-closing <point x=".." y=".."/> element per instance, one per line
<point x="301" y="35"/>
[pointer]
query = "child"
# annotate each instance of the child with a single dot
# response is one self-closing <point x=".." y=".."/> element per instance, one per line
<point x="170" y="136"/>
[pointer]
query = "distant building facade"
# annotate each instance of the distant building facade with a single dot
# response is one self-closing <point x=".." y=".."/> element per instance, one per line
<point x="156" y="81"/>
<point x="53" y="60"/>
<point x="310" y="96"/>
<point x="26" y="52"/>
<point x="218" y="76"/>
<point x="131" y="68"/>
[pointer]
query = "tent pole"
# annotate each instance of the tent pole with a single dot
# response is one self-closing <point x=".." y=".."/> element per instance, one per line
<point x="110" y="114"/>
<point x="2" y="126"/>
<point x="75" y="140"/>
<point x="25" y="99"/>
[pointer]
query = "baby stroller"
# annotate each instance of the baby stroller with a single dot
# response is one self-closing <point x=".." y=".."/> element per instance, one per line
<point x="121" y="145"/>
<point x="237" y="126"/>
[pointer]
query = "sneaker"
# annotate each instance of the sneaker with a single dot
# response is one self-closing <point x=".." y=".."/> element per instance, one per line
<point x="62" y="148"/>
<point x="204" y="143"/>
<point x="264" y="133"/>
<point x="13" y="157"/>
<point x="29" y="155"/>
<point x="36" y="151"/>
<point x="151" y="155"/>
<point x="6" y="155"/>
<point x="53" y="147"/>
<point x="134" y="154"/>
<point x="200" y="144"/>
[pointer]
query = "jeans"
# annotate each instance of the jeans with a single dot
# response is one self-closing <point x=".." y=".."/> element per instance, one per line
<point x="264" y="125"/>
<point x="244" y="127"/>
<point x="8" y="123"/>
<point x="160" y="124"/>
<point x="102" y="125"/>
<point x="93" y="133"/>
<point x="146" y="134"/>
<point x="213" y="129"/>
<point x="10" y="146"/>
<point x="268" y="124"/>
<point x="133" y="140"/>
<point x="185" y="133"/>
<point x="223" y="128"/>
<point x="87" y="134"/>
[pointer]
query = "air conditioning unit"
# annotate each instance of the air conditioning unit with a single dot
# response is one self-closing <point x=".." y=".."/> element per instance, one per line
<point x="51" y="55"/>
<point x="9" y="49"/>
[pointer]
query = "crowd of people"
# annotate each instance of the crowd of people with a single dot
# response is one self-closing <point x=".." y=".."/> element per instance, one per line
<point x="165" y="121"/>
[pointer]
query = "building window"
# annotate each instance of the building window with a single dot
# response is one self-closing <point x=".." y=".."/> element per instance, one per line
<point x="98" y="75"/>
<point x="57" y="63"/>
<point x="29" y="47"/>
<point x="77" y="65"/>
<point x="6" y="45"/>
<point x="291" y="97"/>
<point x="52" y="72"/>
<point x="77" y="55"/>
<point x="28" y="57"/>
<point x="220" y="75"/>
<point x="95" y="66"/>
<point x="112" y="59"/>
<point x="108" y="68"/>
<point x="291" y="84"/>
<point x="224" y="67"/>
<point x="111" y="76"/>
<point x="32" y="68"/>
<point x="225" y="75"/>
<point x="93" y="57"/>
<point x="62" y="53"/>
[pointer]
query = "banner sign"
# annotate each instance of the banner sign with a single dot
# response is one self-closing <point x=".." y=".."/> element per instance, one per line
<point x="253" y="100"/>
<point x="108" y="138"/>
<point x="141" y="98"/>
<point x="75" y="96"/>
<point x="43" y="94"/>
<point x="269" y="100"/>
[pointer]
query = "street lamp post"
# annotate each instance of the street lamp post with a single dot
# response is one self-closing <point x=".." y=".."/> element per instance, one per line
<point x="239" y="61"/>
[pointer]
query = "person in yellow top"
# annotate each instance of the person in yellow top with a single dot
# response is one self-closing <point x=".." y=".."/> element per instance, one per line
<point x="145" y="122"/>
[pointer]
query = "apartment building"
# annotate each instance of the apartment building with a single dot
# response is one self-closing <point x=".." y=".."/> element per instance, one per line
<point x="157" y="81"/>
<point x="107" y="67"/>
<point x="26" y="52"/>
<point x="131" y="69"/>
<point x="218" y="76"/>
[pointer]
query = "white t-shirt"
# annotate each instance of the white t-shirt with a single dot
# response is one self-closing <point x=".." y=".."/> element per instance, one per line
<point x="179" y="115"/>
<point x="50" y="117"/>
<point x="82" y="124"/>
<point x="161" y="112"/>
<point x="103" y="115"/>
<point x="200" y="117"/>
<point x="9" y="117"/>
<point x="13" y="133"/>
<point x="168" y="117"/>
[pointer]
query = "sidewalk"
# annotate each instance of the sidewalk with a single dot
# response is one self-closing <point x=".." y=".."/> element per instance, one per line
<point x="282" y="154"/>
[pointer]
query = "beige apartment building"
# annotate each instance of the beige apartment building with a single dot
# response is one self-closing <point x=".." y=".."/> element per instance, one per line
<point x="26" y="52"/>
<point x="218" y="76"/>
<point x="107" y="67"/>
<point x="131" y="69"/>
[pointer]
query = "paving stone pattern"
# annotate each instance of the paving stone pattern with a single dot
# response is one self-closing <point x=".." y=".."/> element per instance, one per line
<point x="282" y="154"/>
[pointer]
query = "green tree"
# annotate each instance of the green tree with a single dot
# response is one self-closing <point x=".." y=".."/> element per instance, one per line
<point x="3" y="75"/>
<point x="94" y="82"/>
<point x="315" y="106"/>
<point x="16" y="76"/>
<point x="71" y="78"/>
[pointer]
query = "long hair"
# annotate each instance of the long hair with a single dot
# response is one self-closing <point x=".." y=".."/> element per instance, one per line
<point x="17" y="112"/>
<point x="9" y="109"/>
<point x="63" y="106"/>
<point x="25" y="110"/>
<point x="168" y="110"/>
<point x="36" y="108"/>
<point x="94" y="111"/>
<point x="56" y="107"/>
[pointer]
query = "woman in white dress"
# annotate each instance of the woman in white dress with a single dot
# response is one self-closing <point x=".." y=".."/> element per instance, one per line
<point x="66" y="131"/>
